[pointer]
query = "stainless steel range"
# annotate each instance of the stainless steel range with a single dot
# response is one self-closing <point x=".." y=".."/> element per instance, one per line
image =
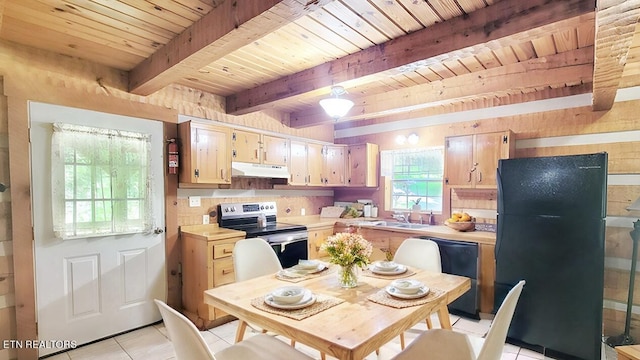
<point x="258" y="219"/>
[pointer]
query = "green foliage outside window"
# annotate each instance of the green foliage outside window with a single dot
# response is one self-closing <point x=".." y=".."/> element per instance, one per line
<point x="416" y="178"/>
<point x="100" y="181"/>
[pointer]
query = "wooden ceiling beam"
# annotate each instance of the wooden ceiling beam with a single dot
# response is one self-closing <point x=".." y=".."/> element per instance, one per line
<point x="615" y="26"/>
<point x="504" y="23"/>
<point x="570" y="67"/>
<point x="475" y="103"/>
<point x="228" y="27"/>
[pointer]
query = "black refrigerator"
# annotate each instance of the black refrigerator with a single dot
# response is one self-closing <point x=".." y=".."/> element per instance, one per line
<point x="550" y="232"/>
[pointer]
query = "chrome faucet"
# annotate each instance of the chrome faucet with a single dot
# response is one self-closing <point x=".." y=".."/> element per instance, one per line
<point x="400" y="217"/>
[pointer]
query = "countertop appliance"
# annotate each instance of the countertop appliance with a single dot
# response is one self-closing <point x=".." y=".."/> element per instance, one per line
<point x="289" y="241"/>
<point x="551" y="225"/>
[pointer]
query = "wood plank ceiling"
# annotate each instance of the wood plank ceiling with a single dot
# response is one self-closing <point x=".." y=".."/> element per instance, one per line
<point x="394" y="57"/>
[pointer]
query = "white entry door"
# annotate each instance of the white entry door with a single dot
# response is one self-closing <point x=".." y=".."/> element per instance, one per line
<point x="93" y="287"/>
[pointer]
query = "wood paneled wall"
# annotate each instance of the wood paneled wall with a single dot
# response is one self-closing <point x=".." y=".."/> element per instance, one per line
<point x="30" y="74"/>
<point x="559" y="132"/>
<point x="42" y="76"/>
<point x="7" y="289"/>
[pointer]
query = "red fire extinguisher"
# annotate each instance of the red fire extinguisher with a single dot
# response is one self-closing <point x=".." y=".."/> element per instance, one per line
<point x="173" y="156"/>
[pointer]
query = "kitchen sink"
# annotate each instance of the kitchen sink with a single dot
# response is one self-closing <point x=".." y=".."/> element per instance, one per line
<point x="405" y="225"/>
<point x="395" y="225"/>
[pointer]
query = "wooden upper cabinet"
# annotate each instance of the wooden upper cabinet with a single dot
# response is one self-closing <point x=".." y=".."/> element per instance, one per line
<point x="257" y="148"/>
<point x="471" y="161"/>
<point x="275" y="150"/>
<point x="315" y="164"/>
<point x="362" y="165"/>
<point x="205" y="153"/>
<point x="245" y="146"/>
<point x="309" y="164"/>
<point x="335" y="165"/>
<point x="298" y="163"/>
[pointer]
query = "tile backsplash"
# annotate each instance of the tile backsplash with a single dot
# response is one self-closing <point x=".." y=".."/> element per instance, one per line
<point x="289" y="204"/>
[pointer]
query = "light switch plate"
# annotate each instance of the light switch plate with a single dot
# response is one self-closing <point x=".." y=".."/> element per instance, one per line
<point x="194" y="201"/>
<point x="205" y="219"/>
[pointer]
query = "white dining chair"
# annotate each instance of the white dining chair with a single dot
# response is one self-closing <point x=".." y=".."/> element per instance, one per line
<point x="252" y="258"/>
<point x="188" y="343"/>
<point x="440" y="344"/>
<point x="422" y="254"/>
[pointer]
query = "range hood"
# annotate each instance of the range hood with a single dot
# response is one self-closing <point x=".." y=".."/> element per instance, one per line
<point x="240" y="169"/>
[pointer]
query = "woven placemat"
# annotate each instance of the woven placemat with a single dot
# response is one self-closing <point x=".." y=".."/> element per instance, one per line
<point x="281" y="275"/>
<point x="368" y="272"/>
<point x="323" y="302"/>
<point x="382" y="297"/>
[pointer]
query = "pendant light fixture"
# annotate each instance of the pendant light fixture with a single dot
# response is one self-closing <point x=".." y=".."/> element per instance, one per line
<point x="335" y="106"/>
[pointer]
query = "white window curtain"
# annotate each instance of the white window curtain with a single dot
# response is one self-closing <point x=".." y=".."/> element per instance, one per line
<point x="100" y="182"/>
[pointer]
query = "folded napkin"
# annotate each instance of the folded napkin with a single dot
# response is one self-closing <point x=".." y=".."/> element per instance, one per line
<point x="382" y="297"/>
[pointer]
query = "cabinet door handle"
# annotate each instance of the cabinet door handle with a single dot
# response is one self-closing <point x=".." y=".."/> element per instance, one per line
<point x="479" y="176"/>
<point x="227" y="251"/>
<point x="227" y="271"/>
<point x="257" y="155"/>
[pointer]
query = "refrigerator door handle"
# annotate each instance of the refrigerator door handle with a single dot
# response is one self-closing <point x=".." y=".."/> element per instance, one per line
<point x="500" y="210"/>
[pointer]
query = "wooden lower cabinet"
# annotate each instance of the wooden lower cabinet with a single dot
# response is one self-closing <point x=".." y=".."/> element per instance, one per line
<point x="486" y="276"/>
<point x="628" y="352"/>
<point x="317" y="236"/>
<point x="205" y="265"/>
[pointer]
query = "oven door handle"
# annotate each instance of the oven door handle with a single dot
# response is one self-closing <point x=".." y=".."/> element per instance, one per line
<point x="284" y="244"/>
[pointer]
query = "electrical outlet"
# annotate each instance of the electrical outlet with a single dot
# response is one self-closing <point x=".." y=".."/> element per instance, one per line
<point x="302" y="212"/>
<point x="205" y="219"/>
<point x="194" y="201"/>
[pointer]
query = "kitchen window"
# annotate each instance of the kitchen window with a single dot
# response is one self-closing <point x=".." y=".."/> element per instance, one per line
<point x="99" y="182"/>
<point x="416" y="177"/>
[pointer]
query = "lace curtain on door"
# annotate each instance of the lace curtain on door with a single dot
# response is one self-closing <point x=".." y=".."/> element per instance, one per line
<point x="100" y="182"/>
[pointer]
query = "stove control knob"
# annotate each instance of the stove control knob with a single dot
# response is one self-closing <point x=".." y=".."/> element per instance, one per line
<point x="271" y="207"/>
<point x="261" y="207"/>
<point x="233" y="209"/>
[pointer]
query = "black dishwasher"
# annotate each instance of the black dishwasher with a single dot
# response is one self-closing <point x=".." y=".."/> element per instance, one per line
<point x="461" y="258"/>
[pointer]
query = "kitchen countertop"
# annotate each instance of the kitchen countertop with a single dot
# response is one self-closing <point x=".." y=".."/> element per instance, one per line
<point x="439" y="231"/>
<point x="213" y="232"/>
<point x="210" y="232"/>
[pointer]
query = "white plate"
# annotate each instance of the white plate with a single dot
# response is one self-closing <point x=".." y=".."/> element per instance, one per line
<point x="423" y="291"/>
<point x="399" y="270"/>
<point x="307" y="299"/>
<point x="308" y="264"/>
<point x="303" y="270"/>
<point x="385" y="265"/>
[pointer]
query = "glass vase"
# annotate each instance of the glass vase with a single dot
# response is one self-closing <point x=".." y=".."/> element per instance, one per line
<point x="348" y="276"/>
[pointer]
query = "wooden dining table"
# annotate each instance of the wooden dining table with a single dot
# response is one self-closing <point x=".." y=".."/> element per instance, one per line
<point x="350" y="330"/>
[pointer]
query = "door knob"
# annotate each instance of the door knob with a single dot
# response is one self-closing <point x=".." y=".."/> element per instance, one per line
<point x="158" y="231"/>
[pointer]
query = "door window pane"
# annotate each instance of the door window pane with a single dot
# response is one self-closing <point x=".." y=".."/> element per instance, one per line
<point x="100" y="181"/>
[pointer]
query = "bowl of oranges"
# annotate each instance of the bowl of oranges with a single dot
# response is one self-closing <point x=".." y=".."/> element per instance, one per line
<point x="461" y="221"/>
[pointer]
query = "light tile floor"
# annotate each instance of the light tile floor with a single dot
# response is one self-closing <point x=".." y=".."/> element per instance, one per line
<point x="151" y="342"/>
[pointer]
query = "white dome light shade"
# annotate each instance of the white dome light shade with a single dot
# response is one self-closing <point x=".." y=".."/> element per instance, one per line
<point x="335" y="107"/>
<point x="413" y="138"/>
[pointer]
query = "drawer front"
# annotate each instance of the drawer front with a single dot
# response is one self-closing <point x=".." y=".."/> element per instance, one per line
<point x="222" y="250"/>
<point x="223" y="271"/>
